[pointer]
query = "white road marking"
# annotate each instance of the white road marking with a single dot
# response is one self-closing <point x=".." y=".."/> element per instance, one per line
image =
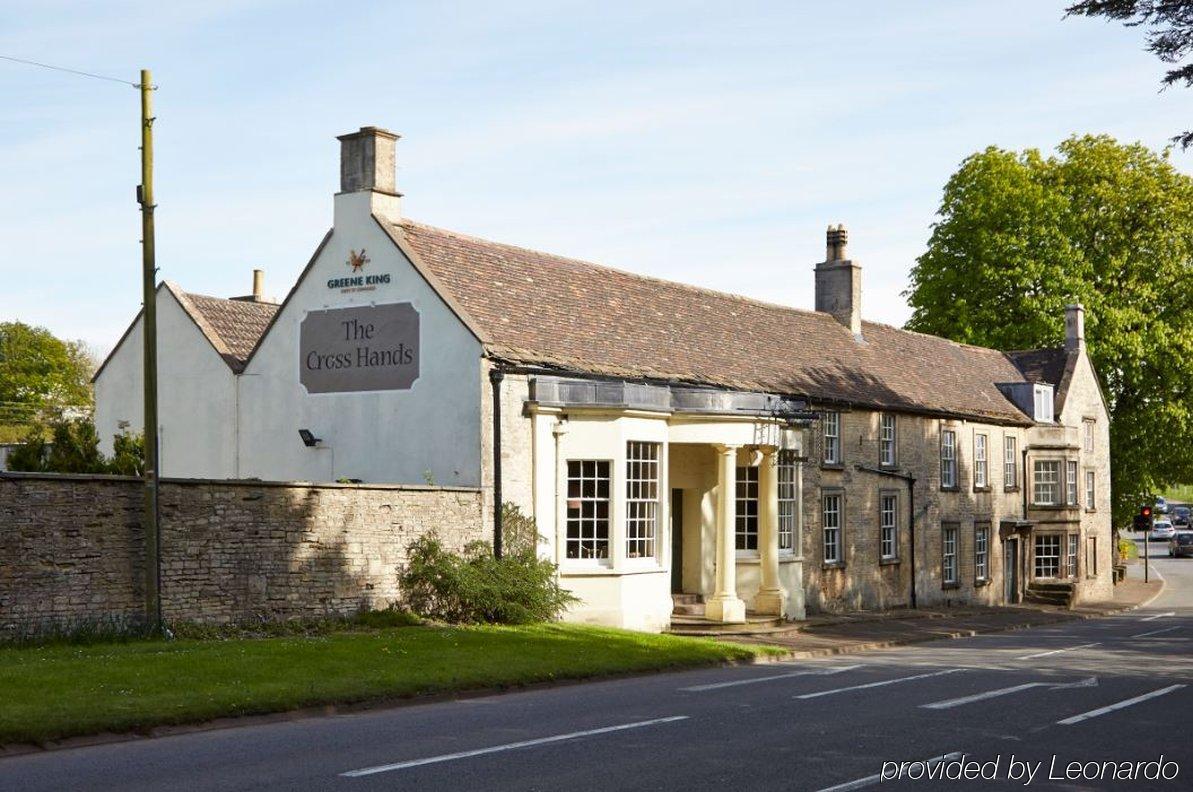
<point x="1158" y="616"/>
<point x="879" y="684"/>
<point x="736" y="682"/>
<point x="874" y="779"/>
<point x="989" y="694"/>
<point x="509" y="747"/>
<point x="1120" y="705"/>
<point x="1058" y="651"/>
<point x="1156" y="632"/>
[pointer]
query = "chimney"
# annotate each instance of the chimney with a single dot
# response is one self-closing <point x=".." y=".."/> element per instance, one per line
<point x="258" y="285"/>
<point x="1074" y="327"/>
<point x="368" y="172"/>
<point x="839" y="282"/>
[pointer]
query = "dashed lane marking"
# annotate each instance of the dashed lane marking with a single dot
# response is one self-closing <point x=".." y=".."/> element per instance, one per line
<point x="869" y="685"/>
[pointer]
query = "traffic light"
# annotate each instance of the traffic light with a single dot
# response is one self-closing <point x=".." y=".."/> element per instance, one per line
<point x="1143" y="520"/>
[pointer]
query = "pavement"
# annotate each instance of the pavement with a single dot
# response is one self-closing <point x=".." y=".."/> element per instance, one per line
<point x="1088" y="691"/>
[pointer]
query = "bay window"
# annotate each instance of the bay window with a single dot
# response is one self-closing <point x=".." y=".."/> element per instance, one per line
<point x="642" y="498"/>
<point x="588" y="509"/>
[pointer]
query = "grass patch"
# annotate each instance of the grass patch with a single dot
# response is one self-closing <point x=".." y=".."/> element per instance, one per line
<point x="51" y="692"/>
<point x="1180" y="492"/>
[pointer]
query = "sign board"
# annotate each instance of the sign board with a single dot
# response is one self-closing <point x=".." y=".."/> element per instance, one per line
<point x="366" y="348"/>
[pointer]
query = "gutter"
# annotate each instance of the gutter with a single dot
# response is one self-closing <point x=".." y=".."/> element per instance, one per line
<point x="911" y="513"/>
<point x="496" y="375"/>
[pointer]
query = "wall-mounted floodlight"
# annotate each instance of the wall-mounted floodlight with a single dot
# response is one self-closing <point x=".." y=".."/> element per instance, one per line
<point x="308" y="439"/>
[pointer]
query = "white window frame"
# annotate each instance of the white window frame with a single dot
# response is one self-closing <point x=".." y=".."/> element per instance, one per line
<point x="981" y="475"/>
<point x="745" y="510"/>
<point x="948" y="554"/>
<point x="642" y="489"/>
<point x="1042" y="399"/>
<point x="1010" y="462"/>
<point x="887" y="440"/>
<point x="948" y="459"/>
<point x="832" y="531"/>
<point x="1072" y="547"/>
<point x="888" y="525"/>
<point x="1043" y="563"/>
<point x="1046" y="480"/>
<point x="1071" y="491"/>
<point x="1091" y="556"/>
<point x="1091" y="490"/>
<point x="580" y="518"/>
<point x="981" y="552"/>
<point x="832" y="438"/>
<point x="788" y="502"/>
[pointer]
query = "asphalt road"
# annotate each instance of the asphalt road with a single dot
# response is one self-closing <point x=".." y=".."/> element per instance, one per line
<point x="1118" y="689"/>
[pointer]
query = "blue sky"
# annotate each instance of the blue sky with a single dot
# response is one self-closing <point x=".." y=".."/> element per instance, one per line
<point x="704" y="142"/>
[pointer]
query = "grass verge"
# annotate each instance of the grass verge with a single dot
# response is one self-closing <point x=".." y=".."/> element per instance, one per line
<point x="52" y="692"/>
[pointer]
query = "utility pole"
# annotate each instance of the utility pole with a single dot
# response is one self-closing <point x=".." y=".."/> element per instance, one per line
<point x="153" y="581"/>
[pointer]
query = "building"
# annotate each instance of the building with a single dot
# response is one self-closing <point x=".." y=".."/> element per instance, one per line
<point x="868" y="466"/>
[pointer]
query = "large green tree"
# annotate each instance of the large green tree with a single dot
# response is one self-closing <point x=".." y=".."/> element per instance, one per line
<point x="40" y="374"/>
<point x="1109" y="225"/>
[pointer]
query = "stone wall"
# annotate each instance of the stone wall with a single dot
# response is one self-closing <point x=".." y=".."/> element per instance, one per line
<point x="71" y="546"/>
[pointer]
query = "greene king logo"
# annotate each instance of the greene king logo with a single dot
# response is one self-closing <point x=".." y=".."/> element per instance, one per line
<point x="356" y="261"/>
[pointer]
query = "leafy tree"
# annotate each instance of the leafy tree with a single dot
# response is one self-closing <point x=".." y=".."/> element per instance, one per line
<point x="128" y="455"/>
<point x="40" y="374"/>
<point x="1169" y="36"/>
<point x="1021" y="235"/>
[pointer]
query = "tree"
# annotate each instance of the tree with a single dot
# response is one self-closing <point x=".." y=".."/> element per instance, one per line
<point x="1169" y="37"/>
<point x="1021" y="235"/>
<point x="73" y="447"/>
<point x="40" y="374"/>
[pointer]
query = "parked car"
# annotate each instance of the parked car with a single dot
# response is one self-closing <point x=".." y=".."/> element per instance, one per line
<point x="1162" y="531"/>
<point x="1180" y="516"/>
<point x="1181" y="544"/>
<point x="1161" y="505"/>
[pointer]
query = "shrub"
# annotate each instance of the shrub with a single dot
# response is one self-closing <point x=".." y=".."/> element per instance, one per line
<point x="474" y="587"/>
<point x="71" y="445"/>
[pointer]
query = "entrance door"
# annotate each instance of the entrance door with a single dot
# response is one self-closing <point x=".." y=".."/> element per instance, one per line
<point x="1010" y="571"/>
<point x="677" y="541"/>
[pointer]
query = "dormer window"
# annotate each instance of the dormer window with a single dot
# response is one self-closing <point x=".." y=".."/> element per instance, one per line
<point x="1043" y="403"/>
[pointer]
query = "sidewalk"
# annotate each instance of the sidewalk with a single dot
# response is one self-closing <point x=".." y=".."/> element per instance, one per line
<point x="859" y="632"/>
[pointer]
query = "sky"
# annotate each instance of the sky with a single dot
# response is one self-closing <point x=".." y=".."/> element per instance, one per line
<point x="710" y="143"/>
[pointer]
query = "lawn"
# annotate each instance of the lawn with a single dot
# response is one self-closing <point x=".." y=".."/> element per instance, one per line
<point x="51" y="692"/>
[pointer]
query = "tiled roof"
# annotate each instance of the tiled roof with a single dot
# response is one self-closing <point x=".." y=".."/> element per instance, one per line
<point x="232" y="326"/>
<point x="538" y="309"/>
<point x="1054" y="366"/>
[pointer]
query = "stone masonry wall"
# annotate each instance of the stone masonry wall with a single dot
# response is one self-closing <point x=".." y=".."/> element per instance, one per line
<point x="71" y="546"/>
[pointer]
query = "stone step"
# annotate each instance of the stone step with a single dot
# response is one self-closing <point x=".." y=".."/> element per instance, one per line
<point x="687" y="599"/>
<point x="686" y="609"/>
<point x="1050" y="585"/>
<point x="755" y="623"/>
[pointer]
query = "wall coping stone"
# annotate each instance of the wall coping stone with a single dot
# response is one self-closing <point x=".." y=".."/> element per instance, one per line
<point x="17" y="475"/>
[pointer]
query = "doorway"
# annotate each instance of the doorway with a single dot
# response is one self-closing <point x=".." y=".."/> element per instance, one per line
<point x="1010" y="571"/>
<point x="676" y="541"/>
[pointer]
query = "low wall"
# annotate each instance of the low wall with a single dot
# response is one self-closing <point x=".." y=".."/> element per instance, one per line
<point x="71" y="547"/>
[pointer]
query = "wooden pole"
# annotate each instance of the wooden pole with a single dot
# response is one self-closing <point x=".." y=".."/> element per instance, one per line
<point x="153" y="604"/>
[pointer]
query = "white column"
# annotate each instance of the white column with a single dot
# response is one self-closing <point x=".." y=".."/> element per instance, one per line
<point x="725" y="606"/>
<point x="771" y="597"/>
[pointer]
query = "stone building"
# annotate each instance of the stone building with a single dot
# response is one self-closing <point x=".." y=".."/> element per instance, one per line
<point x="666" y="439"/>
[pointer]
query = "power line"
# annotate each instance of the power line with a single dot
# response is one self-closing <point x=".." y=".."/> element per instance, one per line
<point x="69" y="71"/>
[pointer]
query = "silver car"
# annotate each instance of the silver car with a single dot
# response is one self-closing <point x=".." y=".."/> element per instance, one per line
<point x="1162" y="531"/>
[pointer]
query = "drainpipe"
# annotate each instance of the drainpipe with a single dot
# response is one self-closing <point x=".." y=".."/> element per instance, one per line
<point x="496" y="375"/>
<point x="911" y="508"/>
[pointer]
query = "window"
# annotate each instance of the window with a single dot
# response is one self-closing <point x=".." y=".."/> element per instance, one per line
<point x="746" y="510"/>
<point x="1088" y="426"/>
<point x="641" y="498"/>
<point x="948" y="555"/>
<point x="888" y="525"/>
<point x="1090" y="501"/>
<point x="588" y="509"/>
<point x="1047" y="555"/>
<point x="1071" y="483"/>
<point x="981" y="552"/>
<point x="831" y="526"/>
<point x="787" y="501"/>
<point x="1071" y="557"/>
<point x="1010" y="462"/>
<point x="1043" y="403"/>
<point x="832" y="438"/>
<point x="1046" y="483"/>
<point x="980" y="476"/>
<point x="886" y="440"/>
<point x="1091" y="556"/>
<point x="948" y="458"/>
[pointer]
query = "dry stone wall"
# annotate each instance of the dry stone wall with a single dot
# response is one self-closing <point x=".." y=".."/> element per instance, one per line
<point x="71" y="547"/>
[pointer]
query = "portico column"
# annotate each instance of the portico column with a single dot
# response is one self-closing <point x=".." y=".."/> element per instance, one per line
<point x="725" y="606"/>
<point x="771" y="597"/>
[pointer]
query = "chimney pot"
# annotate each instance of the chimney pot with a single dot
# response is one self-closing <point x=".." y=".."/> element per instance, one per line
<point x="836" y="240"/>
<point x="258" y="285"/>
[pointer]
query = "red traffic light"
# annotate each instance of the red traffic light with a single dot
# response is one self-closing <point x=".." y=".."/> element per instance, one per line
<point x="1146" y="511"/>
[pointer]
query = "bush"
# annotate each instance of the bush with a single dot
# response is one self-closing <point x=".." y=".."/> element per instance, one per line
<point x="71" y="445"/>
<point x="475" y="587"/>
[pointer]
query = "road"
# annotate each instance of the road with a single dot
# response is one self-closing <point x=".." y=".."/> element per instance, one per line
<point x="1114" y="689"/>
